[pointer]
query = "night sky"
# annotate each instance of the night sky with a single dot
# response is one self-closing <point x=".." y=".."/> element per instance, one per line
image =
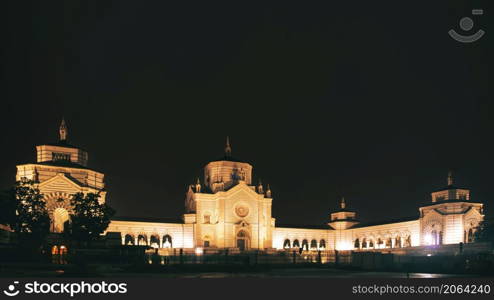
<point x="373" y="101"/>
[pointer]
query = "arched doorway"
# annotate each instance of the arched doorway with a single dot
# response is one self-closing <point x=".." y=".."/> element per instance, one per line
<point x="322" y="244"/>
<point x="129" y="240"/>
<point x="313" y="245"/>
<point x="142" y="240"/>
<point x="470" y="236"/>
<point x="398" y="242"/>
<point x="242" y="240"/>
<point x="154" y="241"/>
<point x="60" y="217"/>
<point x="167" y="241"/>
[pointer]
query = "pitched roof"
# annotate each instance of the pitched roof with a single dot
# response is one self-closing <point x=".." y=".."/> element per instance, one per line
<point x="63" y="163"/>
<point x="451" y="187"/>
<point x="229" y="158"/>
<point x="63" y="144"/>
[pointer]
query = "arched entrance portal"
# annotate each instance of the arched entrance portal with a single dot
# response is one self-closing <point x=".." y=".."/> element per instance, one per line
<point x="242" y="240"/>
<point x="60" y="216"/>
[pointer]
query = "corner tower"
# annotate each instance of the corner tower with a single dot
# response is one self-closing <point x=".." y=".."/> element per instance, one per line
<point x="451" y="218"/>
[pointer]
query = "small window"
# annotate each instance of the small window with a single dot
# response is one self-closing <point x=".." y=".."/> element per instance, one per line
<point x="207" y="219"/>
<point x="206" y="244"/>
<point x="60" y="156"/>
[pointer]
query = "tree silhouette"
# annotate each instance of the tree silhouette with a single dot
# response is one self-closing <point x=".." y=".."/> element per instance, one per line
<point x="89" y="217"/>
<point x="485" y="231"/>
<point x="25" y="211"/>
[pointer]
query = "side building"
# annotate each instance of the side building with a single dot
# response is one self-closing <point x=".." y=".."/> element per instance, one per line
<point x="60" y="171"/>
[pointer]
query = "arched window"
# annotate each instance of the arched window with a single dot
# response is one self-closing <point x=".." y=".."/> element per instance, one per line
<point x="313" y="245"/>
<point x="154" y="241"/>
<point x="305" y="245"/>
<point x="398" y="242"/>
<point x="296" y="243"/>
<point x="388" y="243"/>
<point x="356" y="244"/>
<point x="242" y="240"/>
<point x="408" y="241"/>
<point x="167" y="241"/>
<point x="286" y="244"/>
<point x="364" y="243"/>
<point x="142" y="240"/>
<point x="60" y="219"/>
<point x="129" y="240"/>
<point x="440" y="237"/>
<point x="322" y="244"/>
<point x="371" y="244"/>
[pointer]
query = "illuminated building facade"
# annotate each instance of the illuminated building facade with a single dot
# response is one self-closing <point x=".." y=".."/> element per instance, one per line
<point x="61" y="171"/>
<point x="227" y="211"/>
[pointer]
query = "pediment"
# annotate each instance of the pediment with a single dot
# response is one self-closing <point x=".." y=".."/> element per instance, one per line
<point x="60" y="183"/>
<point x="242" y="190"/>
<point x="472" y="213"/>
<point x="432" y="214"/>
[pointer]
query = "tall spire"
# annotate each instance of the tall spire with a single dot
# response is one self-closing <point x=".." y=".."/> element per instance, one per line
<point x="260" y="188"/>
<point x="228" y="148"/>
<point x="342" y="203"/>
<point x="450" y="178"/>
<point x="268" y="192"/>
<point x="63" y="131"/>
<point x="198" y="186"/>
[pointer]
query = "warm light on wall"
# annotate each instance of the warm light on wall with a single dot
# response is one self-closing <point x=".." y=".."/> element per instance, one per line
<point x="199" y="251"/>
<point x="428" y="239"/>
<point x="344" y="246"/>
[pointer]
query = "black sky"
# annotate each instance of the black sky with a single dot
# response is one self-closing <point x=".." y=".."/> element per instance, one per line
<point x="373" y="101"/>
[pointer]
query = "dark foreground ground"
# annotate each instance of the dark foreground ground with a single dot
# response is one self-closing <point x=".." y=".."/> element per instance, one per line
<point x="67" y="271"/>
